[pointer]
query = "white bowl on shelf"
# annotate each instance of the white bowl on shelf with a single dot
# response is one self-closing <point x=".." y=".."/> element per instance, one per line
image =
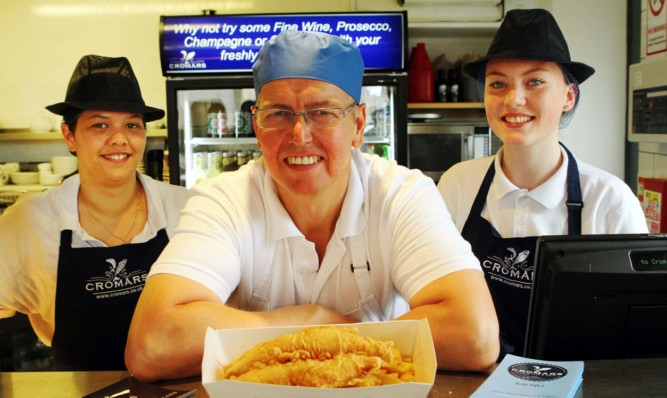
<point x="45" y="167"/>
<point x="50" y="179"/>
<point x="64" y="170"/>
<point x="64" y="164"/>
<point x="40" y="125"/>
<point x="25" y="178"/>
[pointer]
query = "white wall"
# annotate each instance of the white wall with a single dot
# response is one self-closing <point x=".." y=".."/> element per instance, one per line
<point x="596" y="33"/>
<point x="42" y="40"/>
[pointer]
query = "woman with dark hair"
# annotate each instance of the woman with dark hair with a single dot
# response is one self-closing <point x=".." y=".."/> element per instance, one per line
<point x="533" y="186"/>
<point x="76" y="258"/>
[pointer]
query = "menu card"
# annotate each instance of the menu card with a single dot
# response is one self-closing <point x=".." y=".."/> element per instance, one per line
<point x="130" y="387"/>
<point x="523" y="377"/>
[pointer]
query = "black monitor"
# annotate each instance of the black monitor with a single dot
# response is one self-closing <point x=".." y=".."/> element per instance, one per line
<point x="598" y="297"/>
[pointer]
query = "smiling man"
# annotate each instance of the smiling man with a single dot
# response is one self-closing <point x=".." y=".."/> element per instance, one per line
<point x="315" y="232"/>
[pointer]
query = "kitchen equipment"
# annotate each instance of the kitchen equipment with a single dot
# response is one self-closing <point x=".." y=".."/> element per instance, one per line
<point x="647" y="101"/>
<point x="434" y="147"/>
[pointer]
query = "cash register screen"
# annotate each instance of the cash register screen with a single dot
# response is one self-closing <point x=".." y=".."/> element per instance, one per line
<point x="598" y="297"/>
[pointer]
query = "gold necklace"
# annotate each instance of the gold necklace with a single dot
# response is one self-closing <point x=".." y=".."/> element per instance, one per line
<point x="134" y="222"/>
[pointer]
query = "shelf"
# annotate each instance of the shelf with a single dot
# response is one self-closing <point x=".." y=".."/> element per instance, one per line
<point x="445" y="105"/>
<point x="222" y="141"/>
<point x="374" y="139"/>
<point x="25" y="188"/>
<point x="450" y="112"/>
<point x="156" y="133"/>
<point x="27" y="135"/>
<point x="439" y="29"/>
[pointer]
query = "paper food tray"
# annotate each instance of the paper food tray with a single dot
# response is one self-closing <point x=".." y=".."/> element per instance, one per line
<point x="412" y="338"/>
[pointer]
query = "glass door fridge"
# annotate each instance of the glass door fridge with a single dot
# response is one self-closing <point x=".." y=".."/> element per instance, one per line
<point x="207" y="61"/>
<point x="210" y="128"/>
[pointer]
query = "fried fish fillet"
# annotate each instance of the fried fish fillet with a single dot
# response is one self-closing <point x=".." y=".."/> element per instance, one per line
<point x="322" y="356"/>
<point x="343" y="370"/>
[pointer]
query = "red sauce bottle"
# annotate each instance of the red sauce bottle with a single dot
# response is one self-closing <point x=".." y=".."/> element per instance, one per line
<point x="421" y="76"/>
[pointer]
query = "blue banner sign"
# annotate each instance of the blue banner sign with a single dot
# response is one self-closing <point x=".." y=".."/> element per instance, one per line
<point x="209" y="44"/>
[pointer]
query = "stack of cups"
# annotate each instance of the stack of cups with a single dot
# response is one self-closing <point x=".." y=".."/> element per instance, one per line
<point x="6" y="170"/>
<point x="64" y="164"/>
<point x="4" y="177"/>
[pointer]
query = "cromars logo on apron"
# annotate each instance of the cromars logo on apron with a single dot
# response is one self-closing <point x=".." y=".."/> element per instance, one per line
<point x="513" y="270"/>
<point x="116" y="281"/>
<point x="96" y="292"/>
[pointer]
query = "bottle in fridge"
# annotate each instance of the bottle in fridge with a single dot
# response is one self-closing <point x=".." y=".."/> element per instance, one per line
<point x="216" y="120"/>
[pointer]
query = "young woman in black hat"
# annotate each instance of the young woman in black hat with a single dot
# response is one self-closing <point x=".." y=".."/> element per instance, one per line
<point x="76" y="258"/>
<point x="533" y="186"/>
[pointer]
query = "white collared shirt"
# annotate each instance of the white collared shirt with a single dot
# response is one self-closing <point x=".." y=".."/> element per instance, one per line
<point x="610" y="207"/>
<point x="236" y="230"/>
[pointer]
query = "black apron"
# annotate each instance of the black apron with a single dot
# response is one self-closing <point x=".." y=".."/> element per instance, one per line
<point x="508" y="263"/>
<point x="96" y="293"/>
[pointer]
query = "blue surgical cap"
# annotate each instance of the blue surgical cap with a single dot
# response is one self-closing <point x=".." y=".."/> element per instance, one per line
<point x="295" y="54"/>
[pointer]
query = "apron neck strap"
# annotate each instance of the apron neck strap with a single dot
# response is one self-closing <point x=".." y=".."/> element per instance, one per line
<point x="574" y="202"/>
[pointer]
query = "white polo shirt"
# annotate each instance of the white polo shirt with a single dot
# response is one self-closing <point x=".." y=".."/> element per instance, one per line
<point x="236" y="231"/>
<point x="610" y="207"/>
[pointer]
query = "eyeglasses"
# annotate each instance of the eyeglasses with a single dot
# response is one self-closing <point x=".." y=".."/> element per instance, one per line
<point x="319" y="118"/>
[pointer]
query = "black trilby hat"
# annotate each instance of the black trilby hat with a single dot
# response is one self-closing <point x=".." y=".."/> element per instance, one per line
<point x="531" y="35"/>
<point x="107" y="84"/>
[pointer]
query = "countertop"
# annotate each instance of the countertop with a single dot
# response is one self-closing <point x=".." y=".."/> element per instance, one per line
<point x="602" y="378"/>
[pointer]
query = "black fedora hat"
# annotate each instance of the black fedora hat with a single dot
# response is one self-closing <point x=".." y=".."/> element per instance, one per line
<point x="107" y="84"/>
<point x="531" y="35"/>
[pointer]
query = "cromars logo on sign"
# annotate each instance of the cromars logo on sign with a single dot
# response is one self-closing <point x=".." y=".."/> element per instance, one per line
<point x="187" y="61"/>
<point x="536" y="371"/>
